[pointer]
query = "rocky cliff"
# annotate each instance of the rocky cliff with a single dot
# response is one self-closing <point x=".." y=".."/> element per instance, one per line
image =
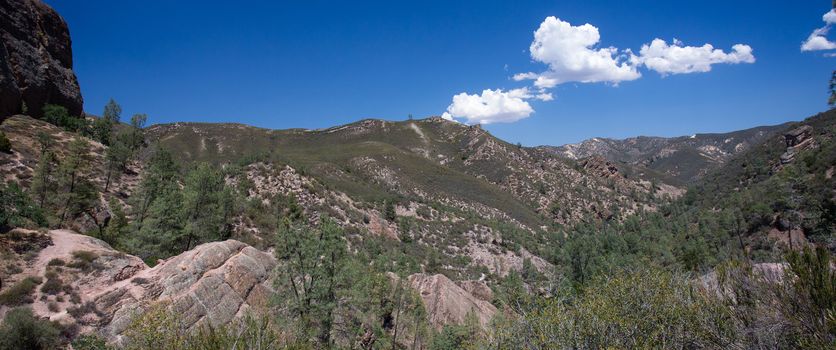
<point x="36" y="60"/>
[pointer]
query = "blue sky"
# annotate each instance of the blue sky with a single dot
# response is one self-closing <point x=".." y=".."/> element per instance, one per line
<point x="313" y="64"/>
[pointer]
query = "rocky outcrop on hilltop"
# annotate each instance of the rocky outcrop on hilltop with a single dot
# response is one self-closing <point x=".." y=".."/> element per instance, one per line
<point x="797" y="140"/>
<point x="36" y="60"/>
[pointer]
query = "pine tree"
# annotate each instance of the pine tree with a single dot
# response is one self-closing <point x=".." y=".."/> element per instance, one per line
<point x="43" y="181"/>
<point x="117" y="224"/>
<point x="103" y="127"/>
<point x="202" y="201"/>
<point x="77" y="191"/>
<point x="116" y="159"/>
<point x="135" y="136"/>
<point x="161" y="174"/>
<point x="163" y="228"/>
<point x="311" y="263"/>
<point x="112" y="112"/>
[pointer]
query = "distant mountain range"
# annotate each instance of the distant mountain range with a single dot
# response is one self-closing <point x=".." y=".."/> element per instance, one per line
<point x="680" y="160"/>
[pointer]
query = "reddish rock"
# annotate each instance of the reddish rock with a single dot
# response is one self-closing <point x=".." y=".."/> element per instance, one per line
<point x="36" y="60"/>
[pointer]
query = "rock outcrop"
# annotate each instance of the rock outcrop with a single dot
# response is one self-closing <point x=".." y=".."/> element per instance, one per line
<point x="36" y="60"/>
<point x="214" y="283"/>
<point x="448" y="303"/>
<point x="797" y="140"/>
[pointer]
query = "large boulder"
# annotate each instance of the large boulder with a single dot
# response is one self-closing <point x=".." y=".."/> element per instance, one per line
<point x="448" y="303"/>
<point x="212" y="284"/>
<point x="36" y="60"/>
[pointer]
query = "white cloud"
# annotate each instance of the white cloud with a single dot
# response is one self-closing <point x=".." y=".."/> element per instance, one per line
<point x="818" y="39"/>
<point x="571" y="55"/>
<point x="679" y="59"/>
<point x="829" y="17"/>
<point x="492" y="106"/>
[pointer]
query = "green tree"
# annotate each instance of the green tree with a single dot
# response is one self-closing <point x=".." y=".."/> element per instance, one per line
<point x="118" y="223"/>
<point x="77" y="190"/>
<point x="310" y="264"/>
<point x="135" y="136"/>
<point x="43" y="181"/>
<point x="205" y="205"/>
<point x="813" y="306"/>
<point x="832" y="99"/>
<point x="163" y="227"/>
<point x="389" y="211"/>
<point x="102" y="128"/>
<point x="112" y="112"/>
<point x="16" y="209"/>
<point x="116" y="159"/>
<point x="5" y="144"/>
<point x="21" y="330"/>
<point x="161" y="176"/>
<point x="59" y="116"/>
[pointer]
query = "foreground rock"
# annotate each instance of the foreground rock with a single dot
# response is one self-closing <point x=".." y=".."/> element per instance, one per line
<point x="36" y="60"/>
<point x="448" y="303"/>
<point x="213" y="283"/>
<point x="101" y="289"/>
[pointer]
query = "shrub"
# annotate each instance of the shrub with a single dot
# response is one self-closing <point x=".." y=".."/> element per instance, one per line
<point x="22" y="330"/>
<point x="59" y="116"/>
<point x="85" y="255"/>
<point x="52" y="286"/>
<point x="645" y="309"/>
<point x="56" y="262"/>
<point x="83" y="259"/>
<point x="20" y="293"/>
<point x="5" y="144"/>
<point x="17" y="209"/>
<point x="90" y="342"/>
<point x="160" y="328"/>
<point x="79" y="311"/>
<point x="52" y="307"/>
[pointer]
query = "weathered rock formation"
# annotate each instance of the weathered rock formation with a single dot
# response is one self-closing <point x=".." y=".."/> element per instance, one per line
<point x="797" y="140"/>
<point x="214" y="283"/>
<point x="448" y="303"/>
<point x="36" y="60"/>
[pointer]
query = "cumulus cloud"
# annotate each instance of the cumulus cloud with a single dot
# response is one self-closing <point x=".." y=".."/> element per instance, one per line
<point x="679" y="59"/>
<point x="818" y="39"/>
<point x="492" y="106"/>
<point x="572" y="56"/>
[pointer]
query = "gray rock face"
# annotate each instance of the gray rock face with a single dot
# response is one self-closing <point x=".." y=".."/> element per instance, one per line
<point x="36" y="60"/>
<point x="214" y="283"/>
<point x="448" y="303"/>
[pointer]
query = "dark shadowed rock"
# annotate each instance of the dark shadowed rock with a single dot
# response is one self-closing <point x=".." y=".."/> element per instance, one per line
<point x="36" y="60"/>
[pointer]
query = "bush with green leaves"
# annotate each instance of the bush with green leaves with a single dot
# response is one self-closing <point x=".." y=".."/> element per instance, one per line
<point x="59" y="116"/>
<point x="17" y="209"/>
<point x="21" y="292"/>
<point x="648" y="308"/>
<point x="22" y="330"/>
<point x="5" y="143"/>
<point x="160" y="328"/>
